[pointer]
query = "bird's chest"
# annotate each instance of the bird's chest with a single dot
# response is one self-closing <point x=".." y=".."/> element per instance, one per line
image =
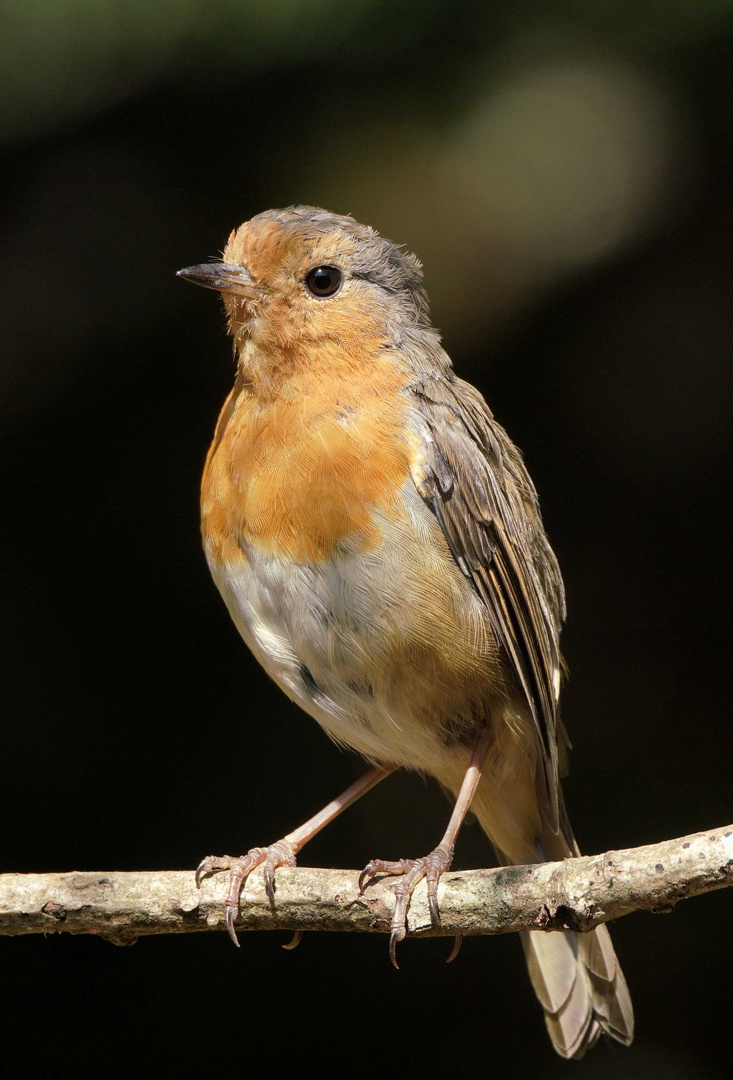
<point x="338" y="576"/>
<point x="296" y="478"/>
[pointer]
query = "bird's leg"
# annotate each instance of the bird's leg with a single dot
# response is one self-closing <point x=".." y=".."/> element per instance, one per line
<point x="434" y="864"/>
<point x="284" y="852"/>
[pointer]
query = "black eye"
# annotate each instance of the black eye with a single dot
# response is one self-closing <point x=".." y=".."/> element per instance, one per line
<point x="324" y="280"/>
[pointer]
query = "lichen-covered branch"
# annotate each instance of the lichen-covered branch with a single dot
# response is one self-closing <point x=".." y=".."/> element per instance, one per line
<point x="577" y="894"/>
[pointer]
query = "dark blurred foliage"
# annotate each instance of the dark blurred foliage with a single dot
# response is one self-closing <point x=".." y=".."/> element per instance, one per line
<point x="564" y="170"/>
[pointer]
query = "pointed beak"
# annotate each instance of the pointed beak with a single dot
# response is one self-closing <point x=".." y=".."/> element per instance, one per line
<point x="224" y="277"/>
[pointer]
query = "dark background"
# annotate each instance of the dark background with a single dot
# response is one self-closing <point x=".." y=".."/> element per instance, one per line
<point x="564" y="171"/>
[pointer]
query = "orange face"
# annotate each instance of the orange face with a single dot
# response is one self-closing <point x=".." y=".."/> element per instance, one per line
<point x="282" y="263"/>
<point x="295" y="276"/>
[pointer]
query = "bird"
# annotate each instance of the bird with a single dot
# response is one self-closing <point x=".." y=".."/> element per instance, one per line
<point x="378" y="542"/>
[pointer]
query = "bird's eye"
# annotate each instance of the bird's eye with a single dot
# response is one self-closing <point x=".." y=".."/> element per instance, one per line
<point x="324" y="280"/>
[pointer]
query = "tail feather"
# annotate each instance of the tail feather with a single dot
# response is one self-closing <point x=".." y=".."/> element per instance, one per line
<point x="581" y="988"/>
<point x="576" y="977"/>
<point x="552" y="969"/>
<point x="569" y="1016"/>
<point x="611" y="995"/>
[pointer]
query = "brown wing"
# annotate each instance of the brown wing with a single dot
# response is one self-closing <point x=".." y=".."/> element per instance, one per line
<point x="478" y="488"/>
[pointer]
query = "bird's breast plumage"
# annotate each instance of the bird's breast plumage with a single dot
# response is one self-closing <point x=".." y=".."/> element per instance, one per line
<point x="300" y="471"/>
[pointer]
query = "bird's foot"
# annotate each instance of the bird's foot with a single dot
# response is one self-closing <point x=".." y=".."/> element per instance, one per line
<point x="240" y="867"/>
<point x="412" y="871"/>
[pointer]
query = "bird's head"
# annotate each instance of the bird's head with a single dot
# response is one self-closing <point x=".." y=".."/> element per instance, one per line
<point x="303" y="275"/>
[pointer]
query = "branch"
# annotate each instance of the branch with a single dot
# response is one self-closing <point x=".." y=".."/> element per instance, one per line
<point x="577" y="894"/>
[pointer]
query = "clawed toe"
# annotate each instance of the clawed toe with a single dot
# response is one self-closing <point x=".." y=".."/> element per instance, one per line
<point x="413" y="871"/>
<point x="380" y="866"/>
<point x="279" y="854"/>
<point x="210" y="865"/>
<point x="409" y="871"/>
<point x="394" y="937"/>
<point x="457" y="942"/>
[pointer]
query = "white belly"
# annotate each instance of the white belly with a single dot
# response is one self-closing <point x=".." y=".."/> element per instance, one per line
<point x="320" y="633"/>
<point x="282" y="619"/>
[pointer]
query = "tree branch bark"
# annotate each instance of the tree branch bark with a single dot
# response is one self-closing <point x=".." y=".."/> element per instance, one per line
<point x="577" y="894"/>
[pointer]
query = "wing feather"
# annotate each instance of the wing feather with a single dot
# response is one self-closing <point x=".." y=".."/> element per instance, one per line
<point x="475" y="482"/>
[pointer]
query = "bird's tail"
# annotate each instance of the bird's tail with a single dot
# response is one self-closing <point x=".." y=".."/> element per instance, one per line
<point x="581" y="988"/>
<point x="576" y="977"/>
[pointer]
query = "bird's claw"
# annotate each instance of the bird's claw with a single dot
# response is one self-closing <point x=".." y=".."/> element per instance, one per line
<point x="280" y="854"/>
<point x="412" y="871"/>
<point x="457" y="942"/>
<point x="294" y="941"/>
<point x="210" y="865"/>
<point x="381" y="866"/>
<point x="231" y="914"/>
<point x="394" y="937"/>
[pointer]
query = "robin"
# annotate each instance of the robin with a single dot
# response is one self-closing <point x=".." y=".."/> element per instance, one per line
<point x="378" y="543"/>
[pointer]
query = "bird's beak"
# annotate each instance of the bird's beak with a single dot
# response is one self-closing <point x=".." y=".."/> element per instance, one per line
<point x="224" y="277"/>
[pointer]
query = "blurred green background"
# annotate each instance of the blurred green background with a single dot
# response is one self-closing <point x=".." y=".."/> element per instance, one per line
<point x="564" y="171"/>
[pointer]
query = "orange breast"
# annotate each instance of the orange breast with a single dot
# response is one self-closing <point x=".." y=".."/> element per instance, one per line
<point x="301" y="469"/>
